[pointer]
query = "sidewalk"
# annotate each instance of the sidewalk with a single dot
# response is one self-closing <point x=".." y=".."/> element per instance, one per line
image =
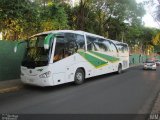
<point x="10" y="85"/>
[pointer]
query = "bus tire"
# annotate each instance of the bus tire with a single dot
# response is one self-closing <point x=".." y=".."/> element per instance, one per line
<point x="119" y="69"/>
<point x="79" y="76"/>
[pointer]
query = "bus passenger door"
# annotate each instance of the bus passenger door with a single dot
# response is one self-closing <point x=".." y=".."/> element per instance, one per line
<point x="58" y="66"/>
<point x="70" y="60"/>
<point x="63" y="62"/>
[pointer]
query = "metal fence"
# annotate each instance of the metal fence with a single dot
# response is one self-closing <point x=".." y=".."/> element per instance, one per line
<point x="136" y="59"/>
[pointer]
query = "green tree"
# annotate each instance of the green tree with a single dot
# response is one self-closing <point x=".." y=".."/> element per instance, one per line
<point x="17" y="16"/>
<point x="54" y="17"/>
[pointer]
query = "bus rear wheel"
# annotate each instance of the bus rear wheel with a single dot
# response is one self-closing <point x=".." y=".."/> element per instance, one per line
<point x="119" y="69"/>
<point x="79" y="77"/>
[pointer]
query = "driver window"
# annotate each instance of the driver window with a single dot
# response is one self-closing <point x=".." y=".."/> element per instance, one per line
<point x="59" y="51"/>
<point x="65" y="48"/>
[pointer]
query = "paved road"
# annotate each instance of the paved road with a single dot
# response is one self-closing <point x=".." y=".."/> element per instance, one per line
<point x="130" y="92"/>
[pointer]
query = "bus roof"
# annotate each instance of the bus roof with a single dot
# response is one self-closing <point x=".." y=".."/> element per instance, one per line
<point x="87" y="33"/>
<point x="117" y="42"/>
<point x="54" y="31"/>
<point x="79" y="32"/>
<point x="70" y="31"/>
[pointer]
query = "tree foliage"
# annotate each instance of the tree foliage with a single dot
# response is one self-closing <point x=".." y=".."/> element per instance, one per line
<point x="114" y="19"/>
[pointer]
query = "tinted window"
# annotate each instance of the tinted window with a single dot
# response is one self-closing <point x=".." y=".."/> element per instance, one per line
<point x="112" y="47"/>
<point x="80" y="41"/>
<point x="98" y="44"/>
<point x="71" y="45"/>
<point x="91" y="43"/>
<point x="122" y="47"/>
<point x="102" y="45"/>
<point x="65" y="47"/>
<point x="35" y="54"/>
<point x="69" y="37"/>
<point x="105" y="43"/>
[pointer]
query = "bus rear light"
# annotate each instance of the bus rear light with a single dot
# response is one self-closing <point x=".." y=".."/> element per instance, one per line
<point x="45" y="75"/>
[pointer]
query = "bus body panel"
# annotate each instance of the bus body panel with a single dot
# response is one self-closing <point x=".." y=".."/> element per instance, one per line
<point x="32" y="76"/>
<point x="93" y="63"/>
<point x="63" y="70"/>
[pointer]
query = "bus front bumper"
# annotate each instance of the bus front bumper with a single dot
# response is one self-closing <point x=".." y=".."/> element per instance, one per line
<point x="37" y="81"/>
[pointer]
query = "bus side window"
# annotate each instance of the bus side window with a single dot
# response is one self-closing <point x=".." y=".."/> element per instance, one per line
<point x="102" y="45"/>
<point x="64" y="47"/>
<point x="112" y="47"/>
<point x="123" y="48"/>
<point x="91" y="43"/>
<point x="126" y="48"/>
<point x="59" y="52"/>
<point x="106" y="44"/>
<point x="80" y="41"/>
<point x="71" y="46"/>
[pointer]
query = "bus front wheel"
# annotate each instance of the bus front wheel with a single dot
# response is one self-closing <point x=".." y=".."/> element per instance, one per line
<point x="79" y="77"/>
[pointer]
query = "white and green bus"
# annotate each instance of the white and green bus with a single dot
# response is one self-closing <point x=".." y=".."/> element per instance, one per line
<point x="57" y="57"/>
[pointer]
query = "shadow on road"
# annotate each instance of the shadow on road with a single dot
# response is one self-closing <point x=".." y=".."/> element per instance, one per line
<point x="71" y="84"/>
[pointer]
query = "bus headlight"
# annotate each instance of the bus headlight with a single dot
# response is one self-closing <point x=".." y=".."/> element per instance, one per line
<point x="45" y="75"/>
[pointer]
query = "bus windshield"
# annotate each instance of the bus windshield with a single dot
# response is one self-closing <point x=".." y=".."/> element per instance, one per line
<point x="36" y="55"/>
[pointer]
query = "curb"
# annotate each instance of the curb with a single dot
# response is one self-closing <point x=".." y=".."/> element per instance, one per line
<point x="10" y="86"/>
<point x="11" y="89"/>
<point x="155" y="110"/>
<point x="156" y="106"/>
<point x="134" y="65"/>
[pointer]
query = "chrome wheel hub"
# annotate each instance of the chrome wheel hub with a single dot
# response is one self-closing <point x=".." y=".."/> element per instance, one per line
<point x="79" y="76"/>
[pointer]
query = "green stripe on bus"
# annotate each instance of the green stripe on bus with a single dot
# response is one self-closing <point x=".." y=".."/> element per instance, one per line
<point x="106" y="57"/>
<point x="48" y="38"/>
<point x="96" y="62"/>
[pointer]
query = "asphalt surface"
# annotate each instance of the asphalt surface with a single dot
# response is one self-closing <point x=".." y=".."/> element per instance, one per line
<point x="131" y="92"/>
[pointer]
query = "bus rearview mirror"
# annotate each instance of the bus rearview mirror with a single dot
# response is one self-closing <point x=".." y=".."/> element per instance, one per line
<point x="46" y="46"/>
<point x="15" y="49"/>
<point x="17" y="44"/>
<point x="47" y="41"/>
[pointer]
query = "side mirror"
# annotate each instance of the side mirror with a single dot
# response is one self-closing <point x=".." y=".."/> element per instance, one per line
<point x="16" y="46"/>
<point x="46" y="46"/>
<point x="47" y="40"/>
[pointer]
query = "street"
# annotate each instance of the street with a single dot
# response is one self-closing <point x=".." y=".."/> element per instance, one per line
<point x="131" y="92"/>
